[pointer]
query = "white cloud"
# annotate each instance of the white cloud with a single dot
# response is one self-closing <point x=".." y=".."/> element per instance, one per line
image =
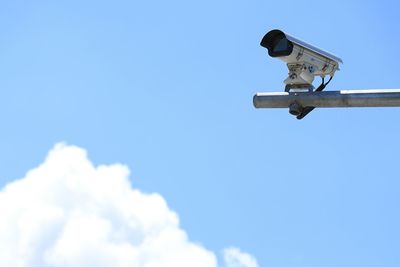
<point x="233" y="257"/>
<point x="69" y="213"/>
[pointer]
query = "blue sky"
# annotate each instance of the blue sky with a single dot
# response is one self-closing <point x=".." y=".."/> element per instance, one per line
<point x="166" y="88"/>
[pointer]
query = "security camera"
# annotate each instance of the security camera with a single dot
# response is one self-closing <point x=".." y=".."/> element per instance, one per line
<point x="304" y="61"/>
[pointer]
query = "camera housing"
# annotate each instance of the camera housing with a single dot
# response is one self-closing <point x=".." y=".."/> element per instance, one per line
<point x="304" y="61"/>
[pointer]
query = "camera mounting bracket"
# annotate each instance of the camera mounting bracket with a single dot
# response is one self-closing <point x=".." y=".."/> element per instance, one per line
<point x="300" y="77"/>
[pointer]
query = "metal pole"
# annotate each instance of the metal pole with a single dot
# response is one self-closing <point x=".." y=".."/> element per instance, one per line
<point x="330" y="99"/>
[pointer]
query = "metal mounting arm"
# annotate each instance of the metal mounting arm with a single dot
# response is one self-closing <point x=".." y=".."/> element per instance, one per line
<point x="298" y="101"/>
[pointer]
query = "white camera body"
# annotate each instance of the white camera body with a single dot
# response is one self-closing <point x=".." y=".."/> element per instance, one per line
<point x="304" y="61"/>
